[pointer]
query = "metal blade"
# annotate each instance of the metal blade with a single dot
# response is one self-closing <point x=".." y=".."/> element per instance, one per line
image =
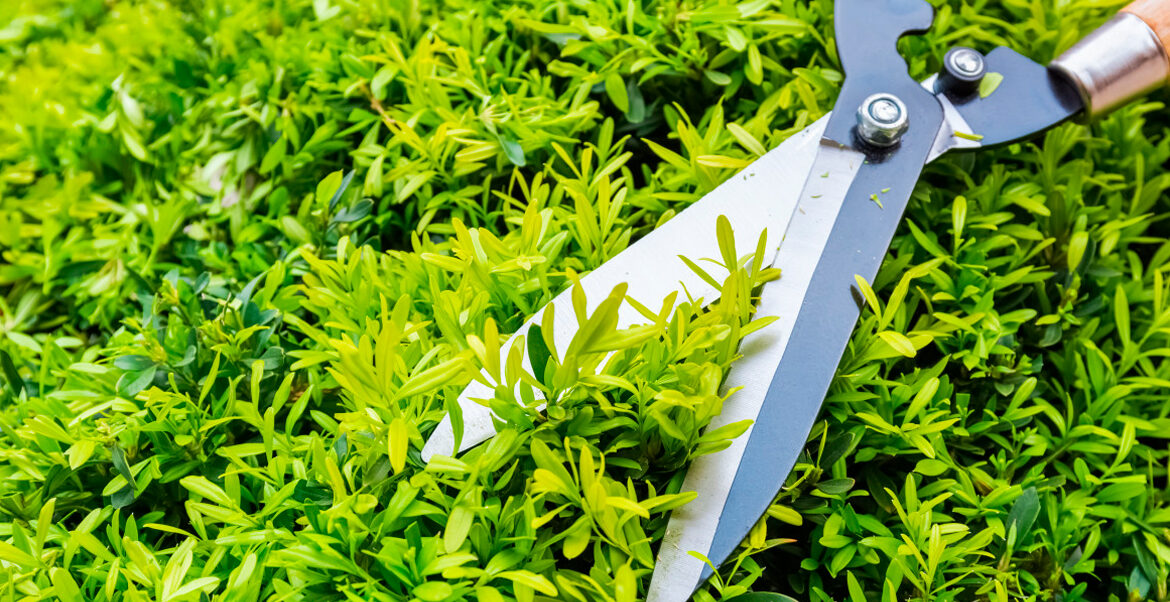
<point x="693" y="527"/>
<point x="1031" y="98"/>
<point x="782" y="393"/>
<point x="946" y="140"/>
<point x="762" y="196"/>
<point x="819" y="310"/>
<point x="820" y="328"/>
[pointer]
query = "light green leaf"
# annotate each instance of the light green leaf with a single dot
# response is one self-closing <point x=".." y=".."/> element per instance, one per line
<point x="615" y="87"/>
<point x="990" y="84"/>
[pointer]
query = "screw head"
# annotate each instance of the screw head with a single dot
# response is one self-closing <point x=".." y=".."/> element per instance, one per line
<point x="966" y="61"/>
<point x="882" y="119"/>
<point x="963" y="69"/>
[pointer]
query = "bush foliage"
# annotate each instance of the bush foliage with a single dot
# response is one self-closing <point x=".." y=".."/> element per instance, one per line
<point x="252" y="249"/>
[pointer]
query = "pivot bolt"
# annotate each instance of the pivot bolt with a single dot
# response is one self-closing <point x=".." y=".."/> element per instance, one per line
<point x="963" y="69"/>
<point x="882" y="120"/>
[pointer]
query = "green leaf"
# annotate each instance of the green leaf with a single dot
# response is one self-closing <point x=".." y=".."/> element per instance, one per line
<point x="432" y="591"/>
<point x="433" y="378"/>
<point x="958" y="216"/>
<point x="513" y="151"/>
<point x="746" y="140"/>
<point x="577" y="538"/>
<point x="930" y="468"/>
<point x="615" y="87"/>
<point x="625" y="584"/>
<point x="835" y="486"/>
<point x="202" y="584"/>
<point x="124" y="496"/>
<point x="275" y="154"/>
<point x="867" y="293"/>
<point x="133" y="383"/>
<point x="538" y="352"/>
<point x="133" y="362"/>
<point x="735" y="38"/>
<point x="352" y="214"/>
<point x="12" y="554"/>
<point x="726" y="240"/>
<point x="208" y="490"/>
<point x="990" y="83"/>
<point x="837" y="448"/>
<point x="717" y="78"/>
<point x="131" y="139"/>
<point x="25" y="341"/>
<point x="398" y="439"/>
<point x="1121" y="315"/>
<point x="329" y="188"/>
<point x="637" y="112"/>
<point x="755" y="68"/>
<point x="64" y="587"/>
<point x="856" y="593"/>
<point x="1076" y="249"/>
<point x="184" y="75"/>
<point x="899" y="342"/>
<point x="16" y="384"/>
<point x="532" y="580"/>
<point x="1023" y="514"/>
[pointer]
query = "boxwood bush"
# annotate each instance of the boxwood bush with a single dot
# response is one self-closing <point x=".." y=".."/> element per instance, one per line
<point x="252" y="250"/>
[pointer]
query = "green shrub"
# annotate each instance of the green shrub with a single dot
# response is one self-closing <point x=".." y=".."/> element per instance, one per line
<point x="252" y="249"/>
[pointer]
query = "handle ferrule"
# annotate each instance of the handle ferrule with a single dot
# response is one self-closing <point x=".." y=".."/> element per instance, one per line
<point x="1121" y="61"/>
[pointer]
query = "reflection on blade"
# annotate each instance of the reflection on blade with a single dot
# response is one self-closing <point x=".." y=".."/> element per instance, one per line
<point x="692" y="527"/>
<point x="950" y="135"/>
<point x="762" y="196"/>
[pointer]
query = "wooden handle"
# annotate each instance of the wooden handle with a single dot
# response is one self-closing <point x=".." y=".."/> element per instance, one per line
<point x="1156" y="14"/>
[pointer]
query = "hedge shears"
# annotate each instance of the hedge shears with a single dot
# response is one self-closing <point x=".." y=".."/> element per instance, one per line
<point x="813" y="197"/>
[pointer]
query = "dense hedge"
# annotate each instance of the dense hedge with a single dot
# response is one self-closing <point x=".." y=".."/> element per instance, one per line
<point x="253" y="248"/>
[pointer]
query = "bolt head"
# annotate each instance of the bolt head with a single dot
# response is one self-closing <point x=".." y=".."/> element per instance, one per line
<point x="966" y="61"/>
<point x="882" y="120"/>
<point x="963" y="69"/>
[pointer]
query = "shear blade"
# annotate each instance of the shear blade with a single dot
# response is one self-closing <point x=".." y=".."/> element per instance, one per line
<point x="762" y="196"/>
<point x="693" y="528"/>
